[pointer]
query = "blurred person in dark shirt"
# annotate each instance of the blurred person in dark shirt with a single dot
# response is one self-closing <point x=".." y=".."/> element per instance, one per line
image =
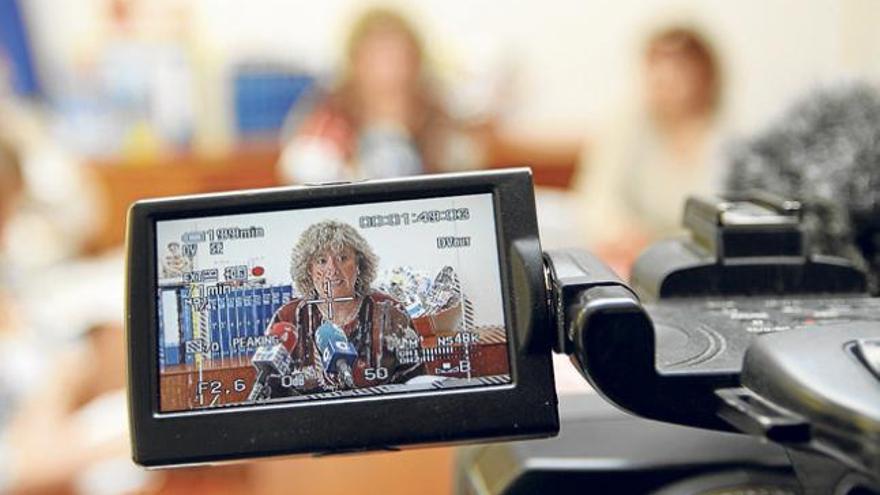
<point x="646" y="163"/>
<point x="385" y="117"/>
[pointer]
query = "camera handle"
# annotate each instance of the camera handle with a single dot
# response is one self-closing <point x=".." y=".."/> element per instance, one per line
<point x="660" y="349"/>
<point x="601" y="323"/>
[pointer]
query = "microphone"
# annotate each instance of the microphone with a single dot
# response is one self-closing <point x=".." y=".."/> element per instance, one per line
<point x="825" y="152"/>
<point x="337" y="355"/>
<point x="274" y="358"/>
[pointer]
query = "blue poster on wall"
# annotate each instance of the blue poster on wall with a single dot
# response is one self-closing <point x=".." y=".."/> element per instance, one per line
<point x="15" y="49"/>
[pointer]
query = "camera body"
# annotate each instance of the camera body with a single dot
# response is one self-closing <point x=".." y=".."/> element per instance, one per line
<point x="745" y="271"/>
<point x="725" y="329"/>
<point x="301" y="320"/>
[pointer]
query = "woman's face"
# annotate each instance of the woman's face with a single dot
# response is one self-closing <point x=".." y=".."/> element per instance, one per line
<point x="385" y="61"/>
<point x="336" y="270"/>
<point x="678" y="83"/>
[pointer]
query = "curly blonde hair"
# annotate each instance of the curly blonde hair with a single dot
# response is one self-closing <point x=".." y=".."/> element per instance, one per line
<point x="336" y="236"/>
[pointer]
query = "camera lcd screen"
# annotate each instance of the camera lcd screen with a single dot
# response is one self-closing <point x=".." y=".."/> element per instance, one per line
<point x="324" y="303"/>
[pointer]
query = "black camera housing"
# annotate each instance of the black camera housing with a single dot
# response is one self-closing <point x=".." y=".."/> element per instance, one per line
<point x="526" y="407"/>
<point x="663" y="345"/>
<point x="739" y="327"/>
<point x="724" y="330"/>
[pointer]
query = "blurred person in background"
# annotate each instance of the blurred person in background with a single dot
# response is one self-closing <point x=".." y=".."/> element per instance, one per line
<point x="21" y="363"/>
<point x="63" y="427"/>
<point x="63" y="414"/>
<point x="33" y="393"/>
<point x="70" y="433"/>
<point x="640" y="172"/>
<point x="62" y="408"/>
<point x="59" y="202"/>
<point x="385" y="118"/>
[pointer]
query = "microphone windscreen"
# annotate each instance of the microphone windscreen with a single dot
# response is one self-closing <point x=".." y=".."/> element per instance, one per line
<point x="824" y="151"/>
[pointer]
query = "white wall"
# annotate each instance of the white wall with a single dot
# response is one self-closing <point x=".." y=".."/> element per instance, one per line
<point x="572" y="60"/>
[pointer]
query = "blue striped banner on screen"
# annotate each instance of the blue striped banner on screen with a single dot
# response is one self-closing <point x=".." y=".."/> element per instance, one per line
<point x="247" y="319"/>
<point x="261" y="310"/>
<point x="234" y="302"/>
<point x="222" y="319"/>
<point x="268" y="308"/>
<point x="256" y="301"/>
<point x="241" y="327"/>
<point x="216" y="349"/>
<point x="276" y="298"/>
<point x="230" y="322"/>
<point x="244" y="316"/>
<point x="254" y="317"/>
<point x="249" y="323"/>
<point x="187" y="325"/>
<point x="161" y="340"/>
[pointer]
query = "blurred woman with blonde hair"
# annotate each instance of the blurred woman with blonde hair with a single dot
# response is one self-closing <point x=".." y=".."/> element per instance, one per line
<point x="383" y="119"/>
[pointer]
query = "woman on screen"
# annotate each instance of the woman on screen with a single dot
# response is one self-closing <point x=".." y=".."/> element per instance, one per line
<point x="339" y="323"/>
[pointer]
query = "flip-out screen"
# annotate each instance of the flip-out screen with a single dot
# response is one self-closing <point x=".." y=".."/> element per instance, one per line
<point x="324" y="303"/>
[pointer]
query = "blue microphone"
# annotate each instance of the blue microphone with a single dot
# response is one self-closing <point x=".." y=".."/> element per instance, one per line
<point x="337" y="354"/>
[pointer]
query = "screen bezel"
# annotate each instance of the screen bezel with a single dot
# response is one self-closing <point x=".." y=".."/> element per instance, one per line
<point x="526" y="407"/>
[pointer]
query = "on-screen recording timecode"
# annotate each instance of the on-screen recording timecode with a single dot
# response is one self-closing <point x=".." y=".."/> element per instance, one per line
<point x="411" y="218"/>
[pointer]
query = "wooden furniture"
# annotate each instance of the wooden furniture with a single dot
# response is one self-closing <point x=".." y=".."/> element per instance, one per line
<point x="553" y="164"/>
<point x="121" y="183"/>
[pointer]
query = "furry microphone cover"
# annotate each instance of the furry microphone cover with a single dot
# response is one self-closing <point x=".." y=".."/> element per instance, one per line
<point x="824" y="151"/>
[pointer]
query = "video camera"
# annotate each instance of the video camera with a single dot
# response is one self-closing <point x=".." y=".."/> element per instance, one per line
<point x="347" y="317"/>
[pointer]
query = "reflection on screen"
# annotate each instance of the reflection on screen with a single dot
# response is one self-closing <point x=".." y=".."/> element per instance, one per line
<point x="342" y="301"/>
